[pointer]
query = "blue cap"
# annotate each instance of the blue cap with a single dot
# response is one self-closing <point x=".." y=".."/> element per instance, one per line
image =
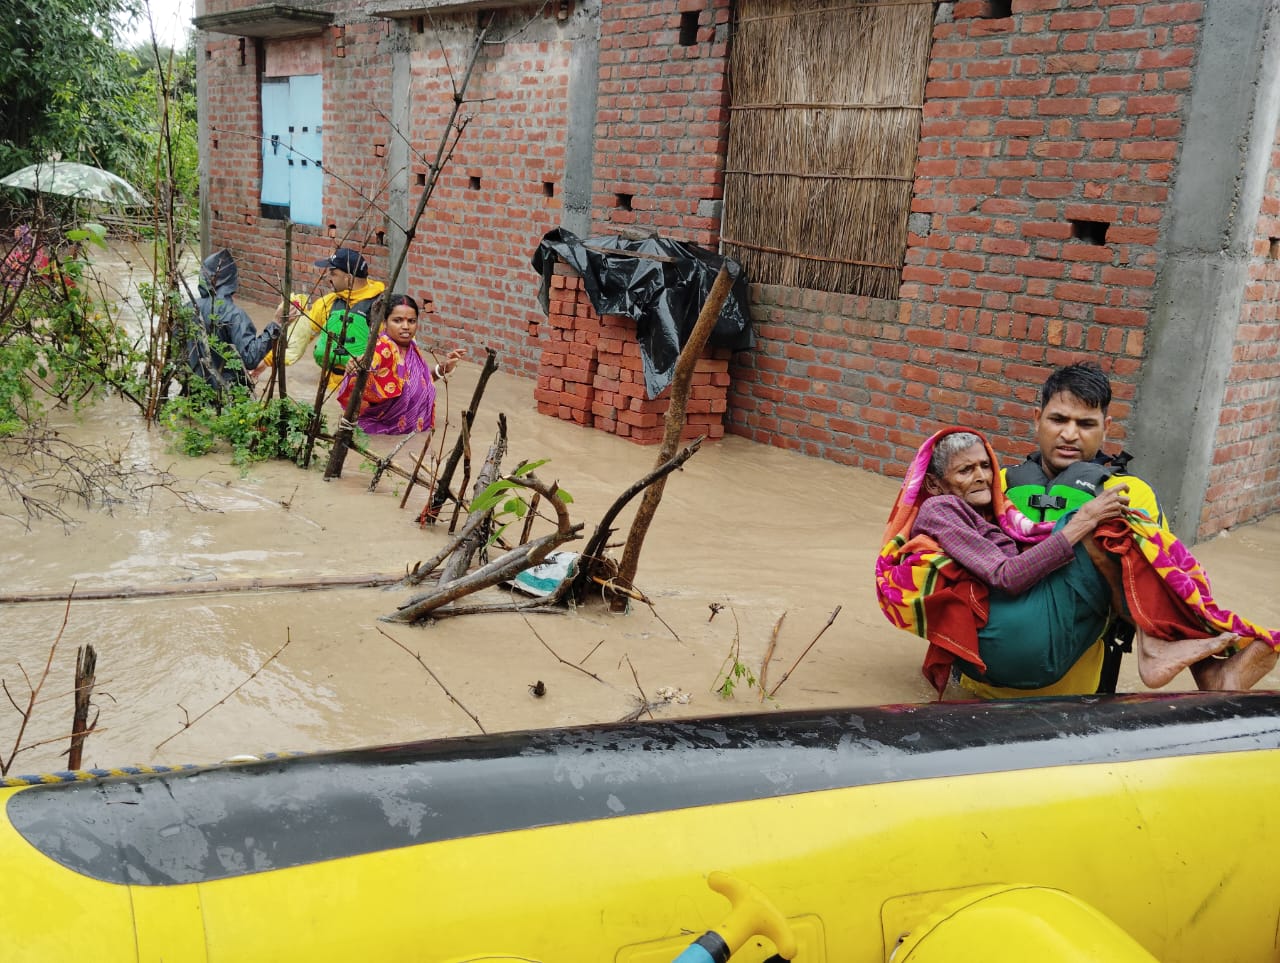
<point x="346" y="259"/>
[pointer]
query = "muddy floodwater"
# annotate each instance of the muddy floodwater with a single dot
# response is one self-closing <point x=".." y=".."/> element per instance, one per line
<point x="756" y="531"/>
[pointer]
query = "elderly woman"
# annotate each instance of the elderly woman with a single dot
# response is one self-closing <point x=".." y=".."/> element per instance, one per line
<point x="1047" y="603"/>
<point x="1015" y="603"/>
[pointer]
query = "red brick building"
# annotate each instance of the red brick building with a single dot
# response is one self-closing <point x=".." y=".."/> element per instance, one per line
<point x="956" y="197"/>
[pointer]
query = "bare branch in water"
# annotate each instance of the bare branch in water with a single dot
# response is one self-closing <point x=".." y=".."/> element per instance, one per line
<point x="443" y="688"/>
<point x="191" y="722"/>
<point x="42" y="472"/>
<point x="33" y="690"/>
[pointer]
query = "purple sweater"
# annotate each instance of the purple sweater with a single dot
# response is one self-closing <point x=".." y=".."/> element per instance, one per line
<point x="983" y="548"/>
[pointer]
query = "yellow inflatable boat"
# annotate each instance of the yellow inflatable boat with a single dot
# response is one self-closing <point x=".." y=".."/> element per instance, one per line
<point x="1123" y="828"/>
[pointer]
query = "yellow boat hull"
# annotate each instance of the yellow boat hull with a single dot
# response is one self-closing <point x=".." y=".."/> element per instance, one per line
<point x="594" y="844"/>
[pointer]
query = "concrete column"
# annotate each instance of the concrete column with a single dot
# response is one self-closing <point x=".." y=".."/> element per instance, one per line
<point x="398" y="207"/>
<point x="1214" y="207"/>
<point x="580" y="141"/>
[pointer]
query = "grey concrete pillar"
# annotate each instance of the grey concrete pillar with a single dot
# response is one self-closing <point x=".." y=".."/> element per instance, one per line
<point x="398" y="155"/>
<point x="1214" y="208"/>
<point x="580" y="141"/>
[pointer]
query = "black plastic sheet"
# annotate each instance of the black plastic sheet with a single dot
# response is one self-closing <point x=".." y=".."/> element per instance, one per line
<point x="663" y="297"/>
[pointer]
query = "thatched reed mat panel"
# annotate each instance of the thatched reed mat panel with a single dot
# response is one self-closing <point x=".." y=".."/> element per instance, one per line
<point x="823" y="134"/>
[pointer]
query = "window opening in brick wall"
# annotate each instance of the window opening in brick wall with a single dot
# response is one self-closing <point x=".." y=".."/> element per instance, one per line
<point x="688" y="28"/>
<point x="1091" y="232"/>
<point x="292" y="145"/>
<point x="380" y="237"/>
<point x="474" y="183"/>
<point x="1273" y="249"/>
<point x="623" y="201"/>
<point x="243" y="59"/>
<point x="821" y="161"/>
<point x="548" y="188"/>
<point x="420" y="179"/>
<point x="419" y="24"/>
<point x="997" y="9"/>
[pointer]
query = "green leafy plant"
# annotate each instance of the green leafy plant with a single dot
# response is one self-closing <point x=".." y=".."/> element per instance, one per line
<point x="507" y="499"/>
<point x="253" y="430"/>
<point x="733" y="671"/>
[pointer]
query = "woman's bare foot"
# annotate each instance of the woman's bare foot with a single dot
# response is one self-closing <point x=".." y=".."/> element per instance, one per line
<point x="1159" y="661"/>
<point x="1238" y="673"/>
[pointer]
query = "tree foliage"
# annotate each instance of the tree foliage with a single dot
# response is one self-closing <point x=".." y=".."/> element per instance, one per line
<point x="63" y="84"/>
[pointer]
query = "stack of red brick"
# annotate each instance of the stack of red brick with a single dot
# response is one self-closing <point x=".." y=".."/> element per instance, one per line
<point x="590" y="372"/>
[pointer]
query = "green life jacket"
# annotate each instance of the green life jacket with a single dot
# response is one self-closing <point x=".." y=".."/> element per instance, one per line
<point x="1029" y="488"/>
<point x="347" y="328"/>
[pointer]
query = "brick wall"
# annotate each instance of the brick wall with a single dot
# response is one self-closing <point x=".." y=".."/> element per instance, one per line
<point x="662" y="120"/>
<point x="1048" y="144"/>
<point x="355" y="182"/>
<point x="1244" y="480"/>
<point x="501" y="191"/>
<point x="816" y="381"/>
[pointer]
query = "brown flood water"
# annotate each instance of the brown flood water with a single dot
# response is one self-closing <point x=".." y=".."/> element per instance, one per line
<point x="759" y="531"/>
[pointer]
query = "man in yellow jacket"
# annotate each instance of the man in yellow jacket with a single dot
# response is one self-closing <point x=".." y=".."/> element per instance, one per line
<point x="342" y="316"/>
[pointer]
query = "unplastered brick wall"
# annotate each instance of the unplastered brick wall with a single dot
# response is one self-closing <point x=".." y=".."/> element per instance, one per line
<point x="503" y="186"/>
<point x="1048" y="145"/>
<point x="823" y="378"/>
<point x="356" y="72"/>
<point x="1244" y="479"/>
<point x="662" y="116"/>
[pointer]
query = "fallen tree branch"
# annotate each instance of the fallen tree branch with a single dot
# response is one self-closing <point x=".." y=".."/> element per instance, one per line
<point x="503" y="568"/>
<point x="303" y="584"/>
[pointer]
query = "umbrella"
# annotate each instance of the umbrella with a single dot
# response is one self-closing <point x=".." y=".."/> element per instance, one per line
<point x="75" y="180"/>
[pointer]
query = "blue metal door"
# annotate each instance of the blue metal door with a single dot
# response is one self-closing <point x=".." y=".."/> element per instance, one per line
<point x="292" y="146"/>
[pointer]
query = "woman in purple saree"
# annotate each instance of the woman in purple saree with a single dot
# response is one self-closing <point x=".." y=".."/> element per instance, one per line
<point x="400" y="393"/>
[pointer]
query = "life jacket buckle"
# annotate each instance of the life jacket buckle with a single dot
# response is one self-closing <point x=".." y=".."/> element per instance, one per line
<point x="1046" y="502"/>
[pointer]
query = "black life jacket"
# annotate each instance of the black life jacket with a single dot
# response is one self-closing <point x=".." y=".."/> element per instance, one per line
<point x="1030" y="489"/>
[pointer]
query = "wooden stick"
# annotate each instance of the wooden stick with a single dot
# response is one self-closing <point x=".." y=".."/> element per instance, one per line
<point x="563" y="661"/>
<point x="768" y="653"/>
<point x="86" y="669"/>
<point x="464" y="549"/>
<point x="384" y="463"/>
<point x="417" y="467"/>
<point x="432" y="508"/>
<point x="681" y="383"/>
<point x="786" y="675"/>
<point x="209" y="588"/>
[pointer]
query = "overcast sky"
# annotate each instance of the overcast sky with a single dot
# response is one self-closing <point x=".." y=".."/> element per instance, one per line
<point x="172" y="20"/>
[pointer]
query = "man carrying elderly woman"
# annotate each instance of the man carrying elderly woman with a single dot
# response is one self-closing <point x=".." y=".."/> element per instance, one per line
<point x="1015" y="603"/>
